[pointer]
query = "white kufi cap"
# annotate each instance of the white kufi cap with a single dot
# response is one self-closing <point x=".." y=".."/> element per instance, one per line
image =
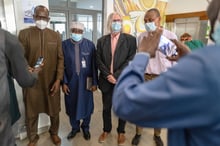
<point x="77" y="25"/>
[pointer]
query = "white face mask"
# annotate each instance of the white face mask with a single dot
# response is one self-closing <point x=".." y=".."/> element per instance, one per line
<point x="41" y="24"/>
<point x="150" y="26"/>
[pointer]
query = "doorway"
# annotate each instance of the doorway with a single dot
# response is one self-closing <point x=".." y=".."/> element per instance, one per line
<point x="61" y="17"/>
<point x="58" y="22"/>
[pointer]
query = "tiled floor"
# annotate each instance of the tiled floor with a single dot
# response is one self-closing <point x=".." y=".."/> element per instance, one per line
<point x="96" y="130"/>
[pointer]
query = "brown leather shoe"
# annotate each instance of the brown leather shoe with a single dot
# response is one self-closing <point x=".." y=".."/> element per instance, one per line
<point x="121" y="139"/>
<point x="56" y="139"/>
<point x="103" y="137"/>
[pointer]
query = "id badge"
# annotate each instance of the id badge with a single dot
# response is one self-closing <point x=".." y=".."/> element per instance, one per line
<point x="83" y="63"/>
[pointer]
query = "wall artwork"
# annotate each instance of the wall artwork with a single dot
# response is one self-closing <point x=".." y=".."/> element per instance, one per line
<point x="28" y="9"/>
<point x="133" y="13"/>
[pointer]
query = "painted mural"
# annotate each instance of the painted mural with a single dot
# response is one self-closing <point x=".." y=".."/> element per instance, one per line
<point x="133" y="13"/>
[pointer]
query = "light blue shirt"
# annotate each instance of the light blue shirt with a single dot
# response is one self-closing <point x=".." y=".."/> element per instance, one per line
<point x="185" y="99"/>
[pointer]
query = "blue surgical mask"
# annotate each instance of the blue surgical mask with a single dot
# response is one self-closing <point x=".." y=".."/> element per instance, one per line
<point x="216" y="34"/>
<point x="116" y="26"/>
<point x="76" y="37"/>
<point x="150" y="26"/>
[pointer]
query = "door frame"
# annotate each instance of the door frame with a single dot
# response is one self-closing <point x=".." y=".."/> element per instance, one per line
<point x="94" y="15"/>
<point x="68" y="14"/>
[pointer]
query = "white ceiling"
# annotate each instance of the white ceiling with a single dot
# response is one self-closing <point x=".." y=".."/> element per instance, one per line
<point x="185" y="6"/>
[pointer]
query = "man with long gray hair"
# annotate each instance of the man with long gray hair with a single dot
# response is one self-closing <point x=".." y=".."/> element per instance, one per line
<point x="114" y="51"/>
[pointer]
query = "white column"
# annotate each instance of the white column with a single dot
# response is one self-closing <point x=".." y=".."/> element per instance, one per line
<point x="108" y="8"/>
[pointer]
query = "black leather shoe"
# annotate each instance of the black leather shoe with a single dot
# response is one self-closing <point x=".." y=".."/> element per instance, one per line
<point x="72" y="134"/>
<point x="86" y="135"/>
<point x="158" y="140"/>
<point x="136" y="139"/>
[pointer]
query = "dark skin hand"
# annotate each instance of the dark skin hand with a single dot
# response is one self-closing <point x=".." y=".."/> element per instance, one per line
<point x="66" y="89"/>
<point x="36" y="69"/>
<point x="150" y="43"/>
<point x="93" y="88"/>
<point x="182" y="50"/>
<point x="55" y="88"/>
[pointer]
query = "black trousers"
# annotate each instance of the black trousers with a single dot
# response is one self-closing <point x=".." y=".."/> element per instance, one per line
<point x="106" y="114"/>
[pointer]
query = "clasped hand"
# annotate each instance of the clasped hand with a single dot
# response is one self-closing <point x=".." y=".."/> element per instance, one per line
<point x="111" y="79"/>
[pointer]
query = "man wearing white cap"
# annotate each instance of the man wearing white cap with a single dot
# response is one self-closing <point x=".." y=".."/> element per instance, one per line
<point x="80" y="79"/>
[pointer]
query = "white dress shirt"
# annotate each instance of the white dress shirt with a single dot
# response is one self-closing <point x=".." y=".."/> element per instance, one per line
<point x="159" y="63"/>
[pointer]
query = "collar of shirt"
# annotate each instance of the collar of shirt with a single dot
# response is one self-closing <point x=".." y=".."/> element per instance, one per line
<point x="115" y="36"/>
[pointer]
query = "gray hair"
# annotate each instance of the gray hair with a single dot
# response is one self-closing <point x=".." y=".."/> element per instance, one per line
<point x="109" y="21"/>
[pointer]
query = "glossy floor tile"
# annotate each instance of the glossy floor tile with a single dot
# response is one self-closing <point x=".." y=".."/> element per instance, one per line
<point x="96" y="130"/>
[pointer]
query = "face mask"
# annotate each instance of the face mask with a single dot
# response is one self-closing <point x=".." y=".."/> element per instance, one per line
<point x="116" y="26"/>
<point x="76" y="37"/>
<point x="216" y="34"/>
<point x="150" y="26"/>
<point x="41" y="24"/>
